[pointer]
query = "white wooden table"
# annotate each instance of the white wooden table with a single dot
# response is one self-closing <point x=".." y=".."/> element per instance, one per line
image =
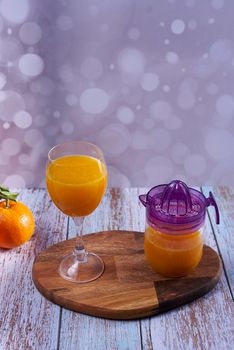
<point x="29" y="321"/>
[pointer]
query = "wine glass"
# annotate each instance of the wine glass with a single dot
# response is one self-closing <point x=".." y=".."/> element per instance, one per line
<point x="76" y="179"/>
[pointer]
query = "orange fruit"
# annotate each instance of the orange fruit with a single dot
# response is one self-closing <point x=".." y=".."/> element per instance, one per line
<point x="16" y="224"/>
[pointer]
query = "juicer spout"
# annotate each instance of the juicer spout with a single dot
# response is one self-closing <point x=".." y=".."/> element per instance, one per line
<point x="211" y="201"/>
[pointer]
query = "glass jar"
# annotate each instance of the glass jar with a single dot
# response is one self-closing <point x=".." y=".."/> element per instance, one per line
<point x="175" y="217"/>
<point x="173" y="254"/>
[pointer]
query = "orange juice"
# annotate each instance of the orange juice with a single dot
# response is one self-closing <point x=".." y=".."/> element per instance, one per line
<point x="76" y="184"/>
<point x="173" y="255"/>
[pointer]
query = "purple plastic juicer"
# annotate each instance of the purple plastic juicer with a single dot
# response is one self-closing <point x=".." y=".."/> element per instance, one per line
<point x="176" y="208"/>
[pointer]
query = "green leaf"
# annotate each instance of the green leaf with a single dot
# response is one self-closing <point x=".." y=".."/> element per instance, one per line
<point x="4" y="188"/>
<point x="6" y="194"/>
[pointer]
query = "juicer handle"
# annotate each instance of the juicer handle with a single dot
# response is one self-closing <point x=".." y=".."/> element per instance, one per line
<point x="211" y="201"/>
<point x="143" y="199"/>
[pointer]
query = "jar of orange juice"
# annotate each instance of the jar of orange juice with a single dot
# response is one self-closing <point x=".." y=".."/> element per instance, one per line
<point x="175" y="217"/>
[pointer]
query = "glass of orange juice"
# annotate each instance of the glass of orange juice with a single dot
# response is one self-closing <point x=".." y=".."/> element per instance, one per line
<point x="76" y="179"/>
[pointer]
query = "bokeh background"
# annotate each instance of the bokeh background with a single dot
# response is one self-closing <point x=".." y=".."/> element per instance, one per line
<point x="150" y="81"/>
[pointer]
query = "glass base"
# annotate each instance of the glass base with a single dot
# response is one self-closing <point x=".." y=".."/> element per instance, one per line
<point x="81" y="272"/>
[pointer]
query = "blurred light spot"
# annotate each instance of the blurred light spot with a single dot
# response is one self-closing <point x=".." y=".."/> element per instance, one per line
<point x="125" y="115"/>
<point x="149" y="81"/>
<point x="4" y="159"/>
<point x="179" y="152"/>
<point x="28" y="177"/>
<point x="158" y="169"/>
<point x="6" y="125"/>
<point x="131" y="63"/>
<point x="160" y="110"/>
<point x="188" y="85"/>
<point x="14" y="11"/>
<point x="189" y="3"/>
<point x="166" y="42"/>
<point x="173" y="123"/>
<point x="113" y="139"/>
<point x="192" y="24"/>
<point x="40" y="120"/>
<point x="10" y="146"/>
<point x="15" y="181"/>
<point x="166" y="88"/>
<point x="91" y="68"/>
<point x="24" y="159"/>
<point x="160" y="139"/>
<point x="225" y="105"/>
<point x="33" y="138"/>
<point x="67" y="128"/>
<point x="204" y="68"/>
<point x="31" y="65"/>
<point x="56" y="114"/>
<point x="148" y="123"/>
<point x="177" y="26"/>
<point x="10" y="103"/>
<point x="224" y="121"/>
<point x="94" y="100"/>
<point x="3" y="80"/>
<point x="71" y="100"/>
<point x="117" y="179"/>
<point x="133" y="33"/>
<point x="186" y="100"/>
<point x="217" y="4"/>
<point x="94" y="10"/>
<point x="222" y="173"/>
<point x="172" y="57"/>
<point x="221" y="51"/>
<point x="140" y="140"/>
<point x="104" y="28"/>
<point x="211" y="20"/>
<point x="195" y="165"/>
<point x="10" y="51"/>
<point x="219" y="144"/>
<point x="22" y="119"/>
<point x="30" y="33"/>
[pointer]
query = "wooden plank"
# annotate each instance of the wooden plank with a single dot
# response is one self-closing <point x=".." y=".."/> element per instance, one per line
<point x="27" y="320"/>
<point x="206" y="323"/>
<point x="225" y="230"/>
<point x="83" y="332"/>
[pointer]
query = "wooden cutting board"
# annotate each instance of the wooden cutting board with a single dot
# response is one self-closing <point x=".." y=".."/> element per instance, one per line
<point x="128" y="288"/>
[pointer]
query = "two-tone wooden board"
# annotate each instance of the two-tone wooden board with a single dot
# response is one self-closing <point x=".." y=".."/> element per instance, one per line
<point x="128" y="288"/>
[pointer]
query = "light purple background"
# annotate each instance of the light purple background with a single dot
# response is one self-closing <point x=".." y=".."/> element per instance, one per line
<point x="150" y="82"/>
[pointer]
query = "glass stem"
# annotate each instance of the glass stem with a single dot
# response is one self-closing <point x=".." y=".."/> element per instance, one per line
<point x="79" y="250"/>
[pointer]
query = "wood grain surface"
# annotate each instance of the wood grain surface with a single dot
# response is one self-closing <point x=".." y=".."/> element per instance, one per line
<point x="29" y="321"/>
<point x="223" y="233"/>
